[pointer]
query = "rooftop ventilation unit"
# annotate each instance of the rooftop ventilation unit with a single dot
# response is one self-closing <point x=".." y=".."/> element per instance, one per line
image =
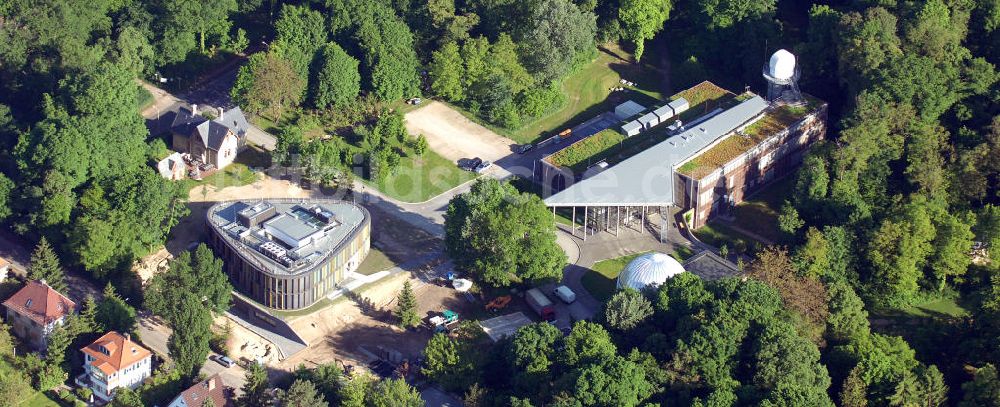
<point x="272" y="250"/>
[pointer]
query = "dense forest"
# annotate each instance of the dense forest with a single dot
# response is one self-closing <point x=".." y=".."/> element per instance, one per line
<point x="883" y="214"/>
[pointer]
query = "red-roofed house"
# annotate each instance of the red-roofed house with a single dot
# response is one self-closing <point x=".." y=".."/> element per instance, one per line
<point x="210" y="392"/>
<point x="35" y="310"/>
<point x="114" y="361"/>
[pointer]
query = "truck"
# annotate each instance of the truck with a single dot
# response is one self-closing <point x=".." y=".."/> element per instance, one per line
<point x="540" y="303"/>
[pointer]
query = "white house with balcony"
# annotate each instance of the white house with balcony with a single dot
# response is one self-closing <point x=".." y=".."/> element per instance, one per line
<point x="114" y="361"/>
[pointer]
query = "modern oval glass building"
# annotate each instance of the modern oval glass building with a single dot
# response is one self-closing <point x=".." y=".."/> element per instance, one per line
<point x="289" y="253"/>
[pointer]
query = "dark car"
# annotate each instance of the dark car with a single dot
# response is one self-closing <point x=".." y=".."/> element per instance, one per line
<point x="523" y="148"/>
<point x="470" y="164"/>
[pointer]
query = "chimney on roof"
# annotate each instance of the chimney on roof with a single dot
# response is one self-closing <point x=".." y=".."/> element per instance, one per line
<point x="211" y="384"/>
<point x="194" y="109"/>
<point x="128" y="337"/>
<point x="222" y="113"/>
<point x="43" y="282"/>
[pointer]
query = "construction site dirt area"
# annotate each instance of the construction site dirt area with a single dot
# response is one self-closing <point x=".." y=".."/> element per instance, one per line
<point x="359" y="328"/>
<point x="454" y="136"/>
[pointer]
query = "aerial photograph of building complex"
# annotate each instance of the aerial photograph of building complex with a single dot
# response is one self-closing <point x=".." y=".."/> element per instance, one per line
<point x="492" y="203"/>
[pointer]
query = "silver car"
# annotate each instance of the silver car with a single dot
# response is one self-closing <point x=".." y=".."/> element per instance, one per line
<point x="483" y="166"/>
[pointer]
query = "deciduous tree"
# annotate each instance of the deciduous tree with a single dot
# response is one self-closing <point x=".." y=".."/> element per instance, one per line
<point x="338" y="81"/>
<point x="627" y="309"/>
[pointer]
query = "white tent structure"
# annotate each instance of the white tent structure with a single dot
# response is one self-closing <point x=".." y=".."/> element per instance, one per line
<point x="649" y="270"/>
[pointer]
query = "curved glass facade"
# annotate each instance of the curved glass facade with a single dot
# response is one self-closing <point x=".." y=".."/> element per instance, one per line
<point x="274" y="286"/>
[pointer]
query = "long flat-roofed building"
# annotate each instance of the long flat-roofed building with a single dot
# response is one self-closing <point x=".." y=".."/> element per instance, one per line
<point x="286" y="253"/>
<point x="719" y="150"/>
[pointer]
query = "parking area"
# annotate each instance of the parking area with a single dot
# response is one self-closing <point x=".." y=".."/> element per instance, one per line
<point x="454" y="136"/>
<point x="595" y="125"/>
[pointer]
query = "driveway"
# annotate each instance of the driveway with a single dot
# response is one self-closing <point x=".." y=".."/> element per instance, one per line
<point x="234" y="376"/>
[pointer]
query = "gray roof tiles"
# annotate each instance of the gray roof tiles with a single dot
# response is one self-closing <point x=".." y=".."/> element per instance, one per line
<point x="212" y="132"/>
<point x="647" y="177"/>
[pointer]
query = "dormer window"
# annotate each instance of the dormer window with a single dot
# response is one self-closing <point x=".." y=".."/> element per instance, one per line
<point x="27" y="304"/>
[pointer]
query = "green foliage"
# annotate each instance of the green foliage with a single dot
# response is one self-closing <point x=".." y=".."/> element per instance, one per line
<point x="192" y="330"/>
<point x="302" y="393"/>
<point x="788" y="219"/>
<point x="446" y="73"/>
<point x="185" y="19"/>
<point x="268" y="84"/>
<point x="853" y="392"/>
<point x="498" y="234"/>
<point x="449" y="362"/>
<point x="113" y="313"/>
<point x="198" y="275"/>
<point x="126" y="397"/>
<point x="627" y="309"/>
<point x="896" y="250"/>
<point x="983" y="389"/>
<point x="587" y="343"/>
<point x="533" y="348"/>
<point x="255" y="388"/>
<point x="388" y="60"/>
<point x="555" y="35"/>
<point x="406" y="307"/>
<point x="614" y="381"/>
<point x="14" y="388"/>
<point x="299" y="32"/>
<point x="338" y="81"/>
<point x="393" y="393"/>
<point x="642" y="19"/>
<point x="45" y="266"/>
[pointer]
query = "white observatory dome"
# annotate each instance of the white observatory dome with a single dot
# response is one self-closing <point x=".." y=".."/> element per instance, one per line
<point x="650" y="269"/>
<point x="782" y="65"/>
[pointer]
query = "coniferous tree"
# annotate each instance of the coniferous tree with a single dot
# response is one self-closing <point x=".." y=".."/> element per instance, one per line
<point x="406" y="307"/>
<point x="113" y="313"/>
<point x="255" y="389"/>
<point x="302" y="393"/>
<point x="45" y="266"/>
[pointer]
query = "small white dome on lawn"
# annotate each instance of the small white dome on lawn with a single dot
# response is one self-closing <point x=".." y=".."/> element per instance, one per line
<point x="650" y="269"/>
<point x="782" y="65"/>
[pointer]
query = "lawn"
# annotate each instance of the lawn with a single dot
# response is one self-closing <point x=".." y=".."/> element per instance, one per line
<point x="601" y="280"/>
<point x="375" y="262"/>
<point x="145" y="99"/>
<point x="717" y="234"/>
<point x="760" y="212"/>
<point x="587" y="94"/>
<point x="418" y="179"/>
<point x="234" y="175"/>
<point x="40" y="399"/>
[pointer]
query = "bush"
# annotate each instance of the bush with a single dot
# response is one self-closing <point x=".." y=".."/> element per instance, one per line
<point x="535" y="102"/>
<point x="83" y="393"/>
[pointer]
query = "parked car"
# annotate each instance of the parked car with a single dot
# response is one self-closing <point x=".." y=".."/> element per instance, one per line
<point x="523" y="148"/>
<point x="469" y="164"/>
<point x="483" y="166"/>
<point x="564" y="294"/>
<point x="225" y="361"/>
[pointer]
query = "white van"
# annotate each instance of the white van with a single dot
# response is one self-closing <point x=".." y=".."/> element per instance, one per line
<point x="564" y="294"/>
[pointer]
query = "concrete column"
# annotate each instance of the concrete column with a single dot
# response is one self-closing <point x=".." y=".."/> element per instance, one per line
<point x="572" y="221"/>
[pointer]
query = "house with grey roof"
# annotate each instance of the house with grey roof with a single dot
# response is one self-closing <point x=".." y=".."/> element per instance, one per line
<point x="210" y="141"/>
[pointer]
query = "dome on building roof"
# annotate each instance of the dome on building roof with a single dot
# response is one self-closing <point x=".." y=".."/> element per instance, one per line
<point x="782" y="65"/>
<point x="650" y="269"/>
